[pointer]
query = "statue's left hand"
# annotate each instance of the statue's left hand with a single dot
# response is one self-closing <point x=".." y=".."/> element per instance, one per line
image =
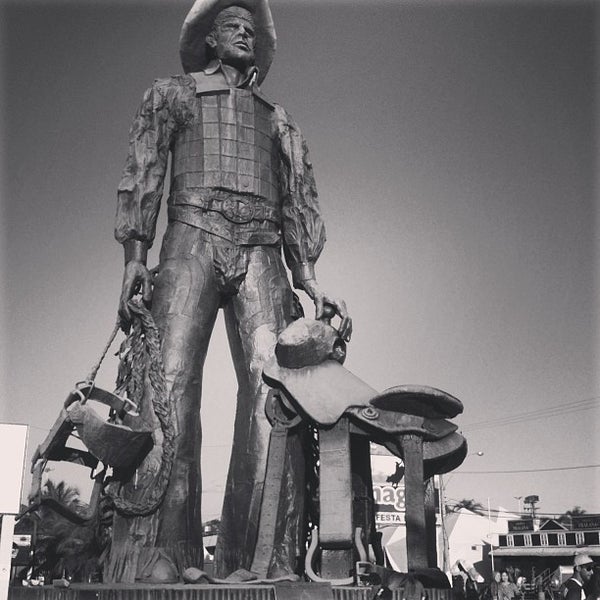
<point x="321" y="298"/>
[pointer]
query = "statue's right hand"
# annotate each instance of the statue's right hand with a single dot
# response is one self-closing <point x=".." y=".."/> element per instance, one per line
<point x="136" y="279"/>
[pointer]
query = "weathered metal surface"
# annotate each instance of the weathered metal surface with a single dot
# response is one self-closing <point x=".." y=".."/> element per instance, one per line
<point x="55" y="440"/>
<point x="193" y="50"/>
<point x="306" y="342"/>
<point x="394" y="423"/>
<point x="228" y="145"/>
<point x="270" y="501"/>
<point x="242" y="187"/>
<point x="416" y="537"/>
<point x="199" y="272"/>
<point x="407" y="419"/>
<point x="114" y="444"/>
<point x="444" y="455"/>
<point x="323" y="392"/>
<point x="352" y="593"/>
<point x="194" y="592"/>
<point x="303" y="591"/>
<point x="440" y="456"/>
<point x="335" y="489"/>
<point x="117" y="445"/>
<point x="147" y="592"/>
<point x="332" y="543"/>
<point x="419" y="400"/>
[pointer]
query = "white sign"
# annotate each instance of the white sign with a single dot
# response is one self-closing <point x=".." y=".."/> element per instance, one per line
<point x="13" y="443"/>
<point x="383" y="519"/>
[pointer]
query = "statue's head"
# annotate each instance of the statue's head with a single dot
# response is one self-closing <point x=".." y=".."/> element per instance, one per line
<point x="239" y="32"/>
<point x="232" y="38"/>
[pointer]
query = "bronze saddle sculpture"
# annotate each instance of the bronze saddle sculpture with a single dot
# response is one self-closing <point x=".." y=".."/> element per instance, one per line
<point x="411" y="421"/>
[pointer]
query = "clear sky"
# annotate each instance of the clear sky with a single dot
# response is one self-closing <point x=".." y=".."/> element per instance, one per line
<point x="455" y="150"/>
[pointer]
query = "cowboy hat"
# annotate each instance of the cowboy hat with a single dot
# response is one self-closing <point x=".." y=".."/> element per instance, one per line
<point x="199" y="22"/>
<point x="582" y="559"/>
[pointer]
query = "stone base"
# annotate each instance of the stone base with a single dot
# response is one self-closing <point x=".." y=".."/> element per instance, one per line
<point x="314" y="591"/>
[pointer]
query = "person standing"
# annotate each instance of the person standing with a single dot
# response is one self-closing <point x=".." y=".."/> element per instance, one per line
<point x="494" y="586"/>
<point x="583" y="569"/>
<point x="507" y="590"/>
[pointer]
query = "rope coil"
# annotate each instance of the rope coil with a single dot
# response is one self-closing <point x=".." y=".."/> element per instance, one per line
<point x="141" y="356"/>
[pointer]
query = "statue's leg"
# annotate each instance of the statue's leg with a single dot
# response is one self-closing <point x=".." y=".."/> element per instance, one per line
<point x="254" y="318"/>
<point x="185" y="304"/>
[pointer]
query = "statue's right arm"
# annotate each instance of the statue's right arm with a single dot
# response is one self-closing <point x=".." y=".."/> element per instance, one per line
<point x="136" y="279"/>
<point x="141" y="188"/>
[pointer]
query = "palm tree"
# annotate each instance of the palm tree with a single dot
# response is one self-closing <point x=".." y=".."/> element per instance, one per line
<point x="468" y="503"/>
<point x="61" y="545"/>
<point x="61" y="492"/>
<point x="576" y="511"/>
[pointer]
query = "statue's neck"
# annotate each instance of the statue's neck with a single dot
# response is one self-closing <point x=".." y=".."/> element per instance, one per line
<point x="233" y="76"/>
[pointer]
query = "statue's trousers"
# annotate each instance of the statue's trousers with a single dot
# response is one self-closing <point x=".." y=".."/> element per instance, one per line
<point x="199" y="273"/>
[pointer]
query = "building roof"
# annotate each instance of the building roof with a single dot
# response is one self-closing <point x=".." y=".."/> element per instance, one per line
<point x="546" y="551"/>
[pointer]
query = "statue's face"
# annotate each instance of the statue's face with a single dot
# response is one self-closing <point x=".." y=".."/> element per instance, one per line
<point x="233" y="37"/>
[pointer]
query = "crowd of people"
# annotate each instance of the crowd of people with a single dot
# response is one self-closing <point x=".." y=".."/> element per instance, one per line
<point x="511" y="584"/>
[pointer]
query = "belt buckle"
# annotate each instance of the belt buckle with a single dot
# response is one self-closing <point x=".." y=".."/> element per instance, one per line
<point x="238" y="210"/>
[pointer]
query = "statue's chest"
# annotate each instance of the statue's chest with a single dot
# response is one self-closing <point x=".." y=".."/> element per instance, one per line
<point x="227" y="142"/>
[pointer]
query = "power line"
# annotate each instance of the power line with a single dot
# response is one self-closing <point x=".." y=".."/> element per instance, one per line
<point x="543" y="410"/>
<point x="518" y="419"/>
<point x="525" y="470"/>
<point x="551" y="411"/>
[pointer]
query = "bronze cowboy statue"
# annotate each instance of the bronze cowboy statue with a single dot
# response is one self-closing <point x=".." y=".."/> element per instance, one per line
<point x="241" y="191"/>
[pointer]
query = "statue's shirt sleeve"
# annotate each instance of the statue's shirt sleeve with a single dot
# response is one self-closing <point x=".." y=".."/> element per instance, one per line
<point x="302" y="225"/>
<point x="141" y="188"/>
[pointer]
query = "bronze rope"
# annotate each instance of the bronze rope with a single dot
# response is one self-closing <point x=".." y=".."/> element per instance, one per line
<point x="141" y="355"/>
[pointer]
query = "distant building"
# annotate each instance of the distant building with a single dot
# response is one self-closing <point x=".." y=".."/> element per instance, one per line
<point x="545" y="544"/>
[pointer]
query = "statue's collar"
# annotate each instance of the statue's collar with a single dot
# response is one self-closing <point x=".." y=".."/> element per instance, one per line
<point x="232" y="77"/>
<point x="214" y="78"/>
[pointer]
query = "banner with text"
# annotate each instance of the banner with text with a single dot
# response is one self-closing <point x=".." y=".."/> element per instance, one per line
<point x="388" y="489"/>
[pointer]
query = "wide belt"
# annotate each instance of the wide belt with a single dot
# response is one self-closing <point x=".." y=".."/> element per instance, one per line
<point x="236" y="208"/>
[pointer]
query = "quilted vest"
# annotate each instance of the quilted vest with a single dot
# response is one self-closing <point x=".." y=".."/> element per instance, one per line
<point x="228" y="145"/>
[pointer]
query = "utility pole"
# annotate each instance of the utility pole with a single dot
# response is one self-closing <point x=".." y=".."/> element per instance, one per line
<point x="445" y="542"/>
<point x="490" y="532"/>
<point x="531" y="501"/>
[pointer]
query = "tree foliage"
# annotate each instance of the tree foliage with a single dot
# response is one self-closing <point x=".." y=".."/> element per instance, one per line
<point x="64" y="548"/>
<point x="467" y="503"/>
<point x="576" y="511"/>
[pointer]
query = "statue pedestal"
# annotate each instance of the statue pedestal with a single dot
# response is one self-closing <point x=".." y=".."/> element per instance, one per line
<point x="295" y="591"/>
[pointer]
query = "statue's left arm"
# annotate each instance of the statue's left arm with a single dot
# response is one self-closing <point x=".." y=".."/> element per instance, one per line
<point x="302" y="225"/>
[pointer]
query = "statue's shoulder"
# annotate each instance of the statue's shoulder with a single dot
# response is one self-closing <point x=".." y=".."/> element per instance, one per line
<point x="283" y="119"/>
<point x="174" y="83"/>
<point x="170" y="93"/>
